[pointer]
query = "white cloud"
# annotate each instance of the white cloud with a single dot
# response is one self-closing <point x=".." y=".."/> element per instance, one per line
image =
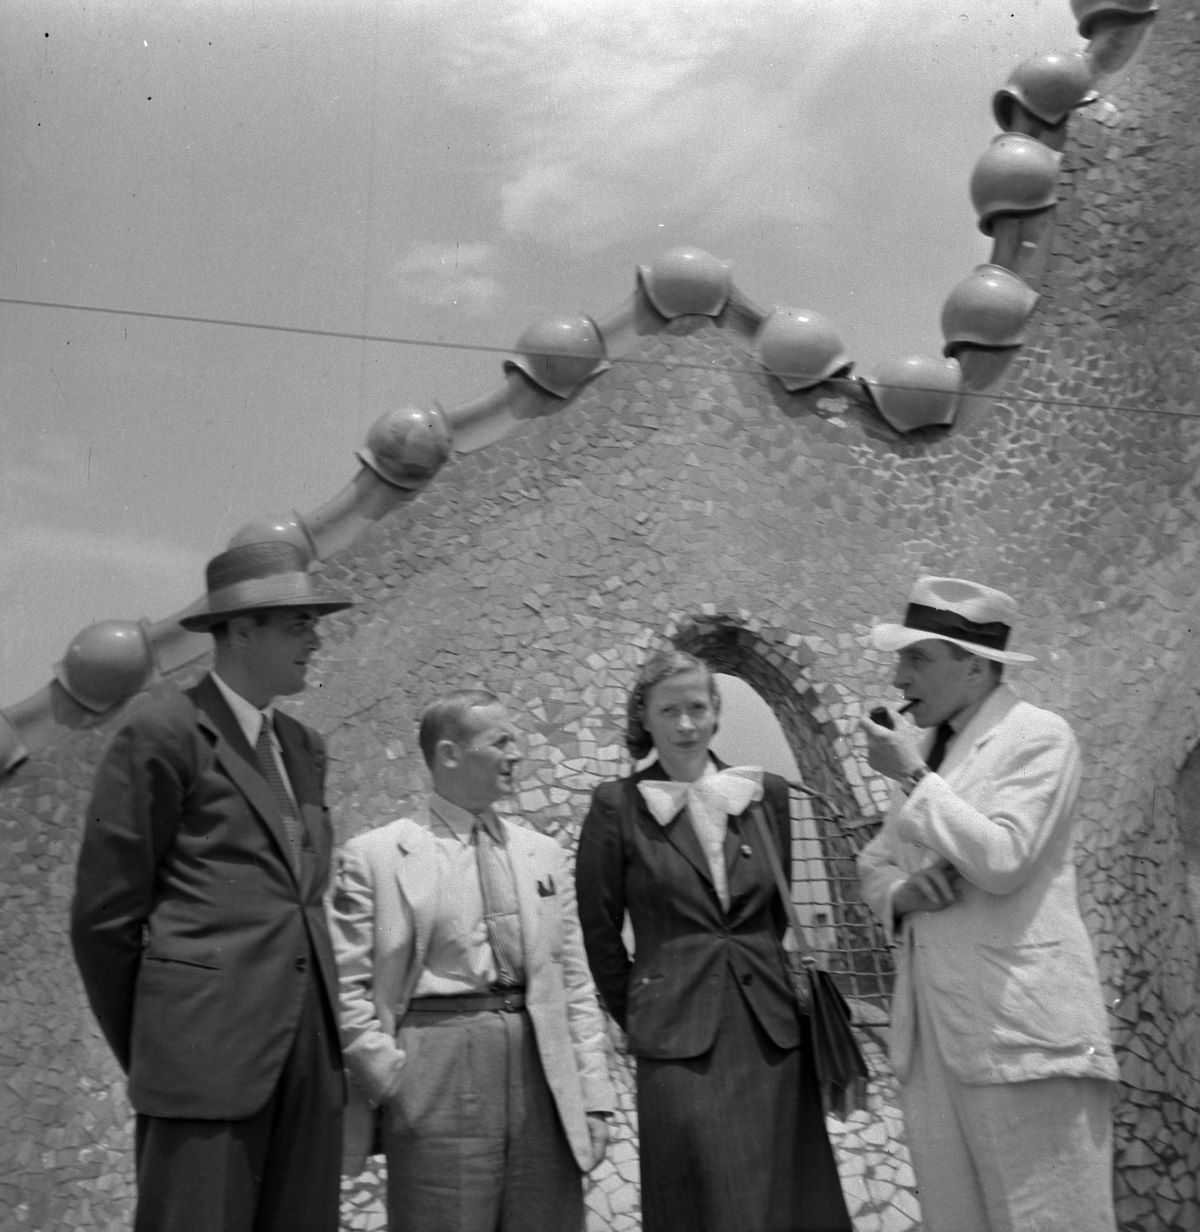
<point x="617" y="114"/>
<point x="447" y="273"/>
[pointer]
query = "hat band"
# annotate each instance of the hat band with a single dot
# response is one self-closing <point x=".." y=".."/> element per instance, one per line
<point x="278" y="590"/>
<point x="993" y="634"/>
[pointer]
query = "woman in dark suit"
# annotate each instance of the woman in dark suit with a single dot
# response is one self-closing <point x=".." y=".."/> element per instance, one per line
<point x="732" y="1135"/>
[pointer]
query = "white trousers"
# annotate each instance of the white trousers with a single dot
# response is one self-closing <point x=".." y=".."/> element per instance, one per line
<point x="1010" y="1157"/>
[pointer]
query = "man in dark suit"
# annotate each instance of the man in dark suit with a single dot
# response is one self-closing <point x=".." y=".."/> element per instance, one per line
<point x="198" y="921"/>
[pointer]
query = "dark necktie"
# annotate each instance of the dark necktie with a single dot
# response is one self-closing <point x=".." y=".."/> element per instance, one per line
<point x="501" y="913"/>
<point x="942" y="738"/>
<point x="270" y="771"/>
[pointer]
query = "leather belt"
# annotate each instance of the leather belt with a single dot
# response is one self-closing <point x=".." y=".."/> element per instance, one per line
<point x="508" y="1002"/>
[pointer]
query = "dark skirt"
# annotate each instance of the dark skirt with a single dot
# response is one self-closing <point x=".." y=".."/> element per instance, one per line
<point x="735" y="1140"/>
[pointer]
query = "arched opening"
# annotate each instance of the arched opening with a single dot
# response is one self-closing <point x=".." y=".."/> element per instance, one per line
<point x="750" y="734"/>
<point x="778" y="718"/>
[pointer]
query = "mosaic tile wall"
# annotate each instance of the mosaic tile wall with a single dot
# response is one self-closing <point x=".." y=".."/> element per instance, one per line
<point x="688" y="496"/>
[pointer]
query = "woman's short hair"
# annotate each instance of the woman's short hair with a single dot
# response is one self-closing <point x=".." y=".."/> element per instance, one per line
<point x="449" y="718"/>
<point x="660" y="666"/>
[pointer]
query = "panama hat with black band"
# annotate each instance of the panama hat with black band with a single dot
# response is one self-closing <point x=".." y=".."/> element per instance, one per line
<point x="966" y="614"/>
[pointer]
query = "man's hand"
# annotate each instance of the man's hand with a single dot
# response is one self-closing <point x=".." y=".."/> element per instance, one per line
<point x="893" y="752"/>
<point x="598" y="1128"/>
<point x="930" y="889"/>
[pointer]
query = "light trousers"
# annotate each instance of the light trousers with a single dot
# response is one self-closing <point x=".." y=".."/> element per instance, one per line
<point x="472" y="1136"/>
<point x="1008" y="1157"/>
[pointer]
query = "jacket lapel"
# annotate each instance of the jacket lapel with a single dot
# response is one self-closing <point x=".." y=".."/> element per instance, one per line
<point x="736" y="829"/>
<point x="305" y="771"/>
<point x="238" y="761"/>
<point x="736" y="844"/>
<point x="521" y="859"/>
<point x="416" y="877"/>
<point x="301" y="763"/>
<point x="978" y="731"/>
<point x="680" y="832"/>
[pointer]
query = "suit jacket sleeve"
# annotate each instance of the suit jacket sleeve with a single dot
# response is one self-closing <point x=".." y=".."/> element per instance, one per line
<point x="369" y="1044"/>
<point x="1033" y="780"/>
<point x="600" y="881"/>
<point x="140" y="792"/>
<point x="585" y="1022"/>
<point x="306" y="759"/>
<point x="880" y="873"/>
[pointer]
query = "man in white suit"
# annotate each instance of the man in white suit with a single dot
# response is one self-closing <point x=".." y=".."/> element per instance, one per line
<point x="468" y="1015"/>
<point x="999" y="1032"/>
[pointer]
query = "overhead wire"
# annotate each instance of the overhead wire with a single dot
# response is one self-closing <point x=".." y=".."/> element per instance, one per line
<point x="632" y="361"/>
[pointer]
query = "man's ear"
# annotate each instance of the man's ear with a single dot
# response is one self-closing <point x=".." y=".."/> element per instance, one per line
<point x="447" y="754"/>
<point x="980" y="666"/>
<point x="239" y="629"/>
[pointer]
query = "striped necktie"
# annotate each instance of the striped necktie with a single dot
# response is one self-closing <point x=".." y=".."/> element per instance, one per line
<point x="271" y="772"/>
<point x="501" y="912"/>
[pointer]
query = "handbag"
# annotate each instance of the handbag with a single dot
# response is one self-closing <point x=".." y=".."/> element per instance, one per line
<point x="841" y="1069"/>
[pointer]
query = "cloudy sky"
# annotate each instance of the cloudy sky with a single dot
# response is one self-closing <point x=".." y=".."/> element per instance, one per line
<point x="440" y="170"/>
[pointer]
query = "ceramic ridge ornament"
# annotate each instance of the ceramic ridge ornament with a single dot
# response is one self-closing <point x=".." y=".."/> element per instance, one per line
<point x="290" y="528"/>
<point x="559" y="354"/>
<point x="990" y="308"/>
<point x="686" y="281"/>
<point x="1049" y="86"/>
<point x="1016" y="174"/>
<point x="1092" y="14"/>
<point x="916" y="391"/>
<point x="407" y="446"/>
<point x="106" y="664"/>
<point x="801" y="348"/>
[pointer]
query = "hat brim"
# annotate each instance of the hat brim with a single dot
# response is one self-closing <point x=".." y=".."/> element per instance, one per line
<point x="898" y="637"/>
<point x="201" y="617"/>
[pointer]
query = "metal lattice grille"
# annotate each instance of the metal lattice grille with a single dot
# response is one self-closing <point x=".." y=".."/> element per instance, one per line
<point x="828" y="830"/>
<point x="843" y="933"/>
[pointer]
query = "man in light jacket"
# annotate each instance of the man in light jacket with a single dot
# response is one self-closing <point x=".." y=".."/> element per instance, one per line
<point x="468" y="1016"/>
<point x="999" y="1031"/>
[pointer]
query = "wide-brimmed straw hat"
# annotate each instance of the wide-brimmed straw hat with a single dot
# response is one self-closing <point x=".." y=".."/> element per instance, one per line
<point x="977" y="618"/>
<point x="254" y="576"/>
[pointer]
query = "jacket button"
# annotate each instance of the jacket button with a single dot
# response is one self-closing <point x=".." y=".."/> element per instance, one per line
<point x="746" y="980"/>
<point x="302" y="963"/>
